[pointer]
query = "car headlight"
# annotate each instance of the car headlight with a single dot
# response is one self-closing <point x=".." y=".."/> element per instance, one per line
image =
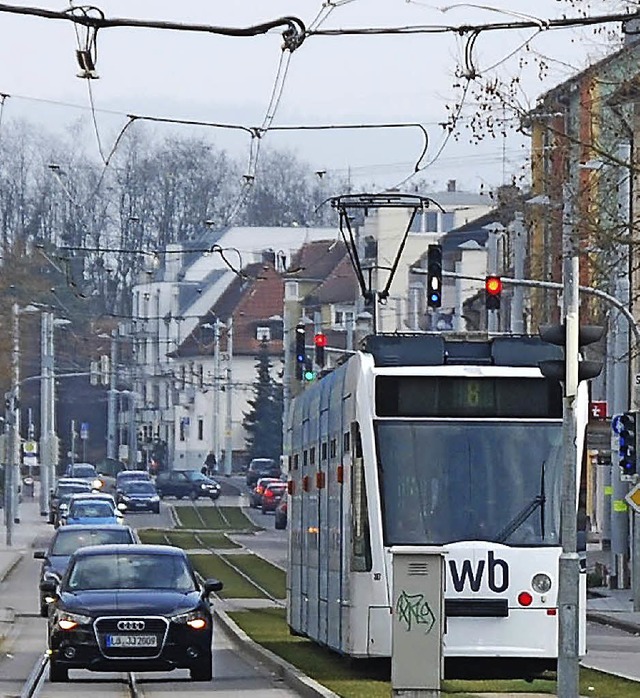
<point x="155" y="498"/>
<point x="204" y="486"/>
<point x="193" y="619"/>
<point x="97" y="484"/>
<point x="68" y="621"/>
<point x="541" y="583"/>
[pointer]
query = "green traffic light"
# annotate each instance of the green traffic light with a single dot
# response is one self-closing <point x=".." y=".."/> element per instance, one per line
<point x="309" y="375"/>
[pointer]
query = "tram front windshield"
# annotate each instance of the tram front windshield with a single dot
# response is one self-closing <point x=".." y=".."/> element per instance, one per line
<point x="449" y="481"/>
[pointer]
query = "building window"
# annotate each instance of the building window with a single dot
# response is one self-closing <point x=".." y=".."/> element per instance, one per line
<point x="200" y="429"/>
<point x="183" y="376"/>
<point x="263" y="334"/>
<point x="201" y="376"/>
<point x="342" y="317"/>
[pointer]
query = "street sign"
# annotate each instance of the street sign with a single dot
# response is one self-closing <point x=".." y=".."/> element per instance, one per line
<point x="633" y="498"/>
<point x="598" y="409"/>
<point x="616" y="423"/>
<point x="84" y="431"/>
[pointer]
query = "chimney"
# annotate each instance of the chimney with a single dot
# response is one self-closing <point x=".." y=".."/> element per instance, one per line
<point x="451" y="185"/>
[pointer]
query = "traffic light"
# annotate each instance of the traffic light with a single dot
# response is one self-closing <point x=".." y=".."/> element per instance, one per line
<point x="301" y="351"/>
<point x="320" y="342"/>
<point x="308" y="374"/>
<point x="556" y="334"/>
<point x="434" y="276"/>
<point x="628" y="443"/>
<point x="493" y="291"/>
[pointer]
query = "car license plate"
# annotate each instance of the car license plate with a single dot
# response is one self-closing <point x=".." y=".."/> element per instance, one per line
<point x="132" y="641"/>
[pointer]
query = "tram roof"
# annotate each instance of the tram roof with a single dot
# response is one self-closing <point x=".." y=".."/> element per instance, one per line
<point x="441" y="350"/>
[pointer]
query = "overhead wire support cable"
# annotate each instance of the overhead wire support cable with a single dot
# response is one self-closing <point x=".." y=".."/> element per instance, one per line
<point x="462" y="29"/>
<point x="294" y="31"/>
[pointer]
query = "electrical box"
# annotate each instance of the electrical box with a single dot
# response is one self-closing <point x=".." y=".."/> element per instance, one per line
<point x="418" y="621"/>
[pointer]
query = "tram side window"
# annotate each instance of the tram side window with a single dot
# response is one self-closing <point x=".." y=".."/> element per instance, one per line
<point x="360" y="536"/>
<point x="305" y="458"/>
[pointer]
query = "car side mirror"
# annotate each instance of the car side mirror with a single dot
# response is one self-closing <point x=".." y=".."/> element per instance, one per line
<point x="40" y="555"/>
<point x="49" y="586"/>
<point x="211" y="585"/>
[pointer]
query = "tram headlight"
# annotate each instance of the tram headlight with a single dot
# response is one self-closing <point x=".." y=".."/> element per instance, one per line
<point x="541" y="583"/>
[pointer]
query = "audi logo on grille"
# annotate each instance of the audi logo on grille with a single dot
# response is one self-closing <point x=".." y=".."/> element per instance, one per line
<point x="131" y="625"/>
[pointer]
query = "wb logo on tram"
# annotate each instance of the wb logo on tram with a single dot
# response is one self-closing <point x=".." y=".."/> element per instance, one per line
<point x="496" y="569"/>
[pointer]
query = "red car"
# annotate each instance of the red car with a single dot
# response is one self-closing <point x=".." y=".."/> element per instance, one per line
<point x="281" y="513"/>
<point x="272" y="495"/>
<point x="255" y="496"/>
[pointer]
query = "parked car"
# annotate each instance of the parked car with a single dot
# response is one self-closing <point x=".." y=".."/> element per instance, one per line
<point x="255" y="496"/>
<point x="92" y="511"/>
<point x="271" y="495"/>
<point x="86" y="472"/>
<point x="130" y="608"/>
<point x="66" y="540"/>
<point x="139" y="495"/>
<point x="61" y="494"/>
<point x="261" y="467"/>
<point x="281" y="512"/>
<point x="186" y="483"/>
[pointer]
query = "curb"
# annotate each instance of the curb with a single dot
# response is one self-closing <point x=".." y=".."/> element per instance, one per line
<point x="290" y="674"/>
<point x="613" y="622"/>
<point x="17" y="557"/>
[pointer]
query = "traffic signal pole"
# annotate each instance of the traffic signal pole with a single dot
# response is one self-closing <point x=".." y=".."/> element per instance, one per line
<point x="569" y="568"/>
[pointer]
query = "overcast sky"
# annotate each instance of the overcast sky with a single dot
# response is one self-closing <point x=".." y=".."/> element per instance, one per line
<point x="344" y="79"/>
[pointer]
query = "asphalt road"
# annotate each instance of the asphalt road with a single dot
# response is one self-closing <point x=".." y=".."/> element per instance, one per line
<point x="234" y="675"/>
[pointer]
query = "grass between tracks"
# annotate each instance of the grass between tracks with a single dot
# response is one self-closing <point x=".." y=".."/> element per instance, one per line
<point x="209" y="565"/>
<point x="268" y="628"/>
<point x="272" y="579"/>
<point x="214" y="518"/>
<point x="189" y="540"/>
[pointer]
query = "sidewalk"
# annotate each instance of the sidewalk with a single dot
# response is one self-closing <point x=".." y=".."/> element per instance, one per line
<point x="32" y="531"/>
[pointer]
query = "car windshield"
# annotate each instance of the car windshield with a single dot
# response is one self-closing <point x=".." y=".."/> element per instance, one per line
<point x="138" y="475"/>
<point x="194" y="475"/>
<point x="68" y="490"/>
<point x="68" y="541"/>
<point x="131" y="571"/>
<point x="261" y="464"/>
<point x="139" y="487"/>
<point x="91" y="509"/>
<point x="83" y="471"/>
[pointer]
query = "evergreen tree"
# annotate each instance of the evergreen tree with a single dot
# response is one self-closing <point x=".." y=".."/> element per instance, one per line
<point x="263" y="422"/>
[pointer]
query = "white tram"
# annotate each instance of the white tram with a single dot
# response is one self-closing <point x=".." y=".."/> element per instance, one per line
<point x="426" y="440"/>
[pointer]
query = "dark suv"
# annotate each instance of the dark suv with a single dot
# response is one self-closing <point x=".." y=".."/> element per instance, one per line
<point x="130" y="608"/>
<point x="186" y="483"/>
<point x="261" y="467"/>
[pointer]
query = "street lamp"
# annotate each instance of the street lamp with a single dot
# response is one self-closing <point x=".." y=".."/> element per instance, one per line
<point x="12" y="421"/>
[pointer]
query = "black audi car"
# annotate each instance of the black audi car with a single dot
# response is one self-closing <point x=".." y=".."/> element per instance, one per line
<point x="130" y="608"/>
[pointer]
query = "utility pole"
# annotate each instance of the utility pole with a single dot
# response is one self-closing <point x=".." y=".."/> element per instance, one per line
<point x="14" y="428"/>
<point x="228" y="432"/>
<point x="47" y="407"/>
<point x="216" y="392"/>
<point x="517" y="305"/>
<point x="569" y="567"/>
<point x="112" y="450"/>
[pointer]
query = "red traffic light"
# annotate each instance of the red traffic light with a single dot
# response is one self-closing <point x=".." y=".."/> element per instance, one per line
<point x="493" y="285"/>
<point x="320" y="340"/>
